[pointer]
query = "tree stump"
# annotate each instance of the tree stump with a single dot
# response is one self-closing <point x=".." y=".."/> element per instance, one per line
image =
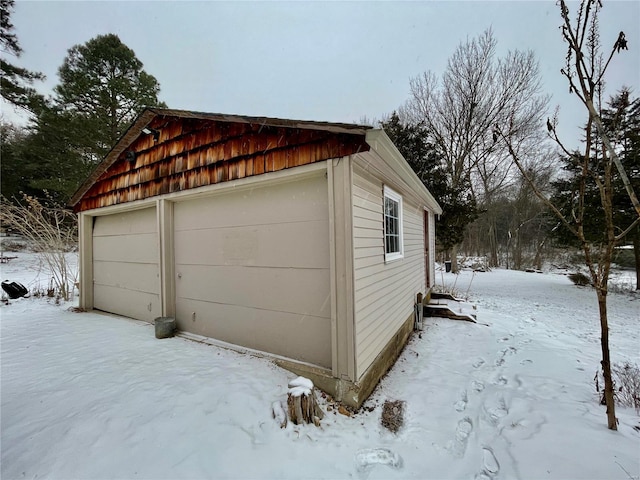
<point x="302" y="404"/>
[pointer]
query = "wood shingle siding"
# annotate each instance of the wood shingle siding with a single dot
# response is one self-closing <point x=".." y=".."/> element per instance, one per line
<point x="195" y="152"/>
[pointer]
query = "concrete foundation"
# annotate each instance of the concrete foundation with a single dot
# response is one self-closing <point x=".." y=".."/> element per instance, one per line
<point x="350" y="393"/>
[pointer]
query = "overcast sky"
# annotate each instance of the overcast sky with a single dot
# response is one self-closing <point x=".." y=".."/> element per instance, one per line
<point x="325" y="61"/>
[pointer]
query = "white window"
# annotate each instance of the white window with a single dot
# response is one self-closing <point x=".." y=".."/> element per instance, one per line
<point x="392" y="225"/>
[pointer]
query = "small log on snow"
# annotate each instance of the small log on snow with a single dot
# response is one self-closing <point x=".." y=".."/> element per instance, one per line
<point x="302" y="404"/>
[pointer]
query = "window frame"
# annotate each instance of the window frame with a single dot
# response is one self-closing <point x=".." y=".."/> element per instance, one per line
<point x="394" y="196"/>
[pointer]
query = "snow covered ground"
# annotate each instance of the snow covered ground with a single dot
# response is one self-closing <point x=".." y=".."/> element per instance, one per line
<point x="93" y="396"/>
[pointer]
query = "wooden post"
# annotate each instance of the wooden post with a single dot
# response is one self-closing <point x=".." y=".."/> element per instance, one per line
<point x="302" y="404"/>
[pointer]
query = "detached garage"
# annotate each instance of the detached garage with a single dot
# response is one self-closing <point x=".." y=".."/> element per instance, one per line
<point x="304" y="240"/>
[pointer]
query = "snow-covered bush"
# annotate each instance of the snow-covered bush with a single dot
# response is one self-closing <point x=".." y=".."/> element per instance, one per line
<point x="51" y="231"/>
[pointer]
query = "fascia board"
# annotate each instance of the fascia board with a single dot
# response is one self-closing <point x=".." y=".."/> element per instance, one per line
<point x="380" y="142"/>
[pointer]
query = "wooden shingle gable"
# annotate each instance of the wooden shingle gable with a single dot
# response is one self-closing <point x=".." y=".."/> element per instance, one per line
<point x="194" y="150"/>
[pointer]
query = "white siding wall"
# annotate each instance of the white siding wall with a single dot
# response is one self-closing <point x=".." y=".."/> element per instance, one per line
<point x="384" y="293"/>
<point x="432" y="249"/>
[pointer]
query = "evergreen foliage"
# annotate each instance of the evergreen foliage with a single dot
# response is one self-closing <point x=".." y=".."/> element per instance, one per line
<point x="459" y="208"/>
<point x="621" y="121"/>
<point x="102" y="89"/>
<point x="15" y="82"/>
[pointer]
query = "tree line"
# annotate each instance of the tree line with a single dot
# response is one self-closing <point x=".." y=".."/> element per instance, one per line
<point x="461" y="132"/>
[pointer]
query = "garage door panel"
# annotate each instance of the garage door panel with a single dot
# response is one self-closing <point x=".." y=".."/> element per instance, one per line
<point x="279" y="245"/>
<point x="301" y="291"/>
<point x="304" y="199"/>
<point x="274" y="332"/>
<point x="130" y="303"/>
<point x="254" y="267"/>
<point x="132" y="248"/>
<point x="139" y="277"/>
<point x="136" y="221"/>
<point x="126" y="273"/>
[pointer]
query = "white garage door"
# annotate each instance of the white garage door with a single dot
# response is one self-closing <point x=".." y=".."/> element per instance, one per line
<point x="126" y="278"/>
<point x="252" y="269"/>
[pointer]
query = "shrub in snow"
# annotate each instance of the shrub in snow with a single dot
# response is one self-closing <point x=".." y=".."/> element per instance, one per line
<point x="627" y="381"/>
<point x="626" y="385"/>
<point x="393" y="415"/>
<point x="579" y="279"/>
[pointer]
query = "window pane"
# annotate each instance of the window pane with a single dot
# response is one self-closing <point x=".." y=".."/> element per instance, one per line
<point x="392" y="225"/>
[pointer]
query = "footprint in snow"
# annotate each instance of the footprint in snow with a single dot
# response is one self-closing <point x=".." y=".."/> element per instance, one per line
<point x="501" y="380"/>
<point x="367" y="458"/>
<point x="461" y="404"/>
<point x="463" y="430"/>
<point x="478" y="363"/>
<point x="477" y="386"/>
<point x="489" y="463"/>
<point x="504" y="353"/>
<point x="496" y="412"/>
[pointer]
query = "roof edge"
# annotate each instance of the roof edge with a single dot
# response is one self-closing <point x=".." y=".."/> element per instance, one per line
<point x="149" y="113"/>
<point x="127" y="138"/>
<point x="379" y="141"/>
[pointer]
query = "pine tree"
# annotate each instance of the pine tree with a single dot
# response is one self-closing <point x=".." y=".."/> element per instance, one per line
<point x="15" y="82"/>
<point x="102" y="89"/>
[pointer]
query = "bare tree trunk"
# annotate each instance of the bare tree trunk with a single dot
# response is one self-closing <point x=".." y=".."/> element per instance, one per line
<point x="517" y="252"/>
<point x="454" y="259"/>
<point x="606" y="361"/>
<point x="538" y="258"/>
<point x="636" y="253"/>
<point x="493" y="244"/>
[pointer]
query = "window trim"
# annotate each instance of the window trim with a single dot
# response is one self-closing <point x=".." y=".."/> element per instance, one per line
<point x="397" y="198"/>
